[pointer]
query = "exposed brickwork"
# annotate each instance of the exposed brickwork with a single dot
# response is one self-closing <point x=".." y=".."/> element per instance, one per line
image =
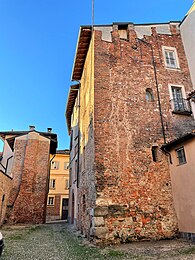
<point x="53" y="212"/>
<point x="134" y="196"/>
<point x="5" y="187"/>
<point x="30" y="170"/>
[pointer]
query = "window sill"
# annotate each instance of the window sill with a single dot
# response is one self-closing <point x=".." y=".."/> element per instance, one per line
<point x="181" y="164"/>
<point x="186" y="113"/>
<point x="173" y="69"/>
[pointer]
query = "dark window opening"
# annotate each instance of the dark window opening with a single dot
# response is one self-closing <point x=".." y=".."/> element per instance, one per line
<point x="84" y="203"/>
<point x="155" y="153"/>
<point x="122" y="29"/>
<point x="149" y="95"/>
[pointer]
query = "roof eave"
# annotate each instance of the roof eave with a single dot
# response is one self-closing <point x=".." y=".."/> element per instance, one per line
<point x="73" y="91"/>
<point x="77" y="76"/>
<point x="168" y="146"/>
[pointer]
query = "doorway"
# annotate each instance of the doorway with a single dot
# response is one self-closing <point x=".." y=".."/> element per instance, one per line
<point x="64" y="209"/>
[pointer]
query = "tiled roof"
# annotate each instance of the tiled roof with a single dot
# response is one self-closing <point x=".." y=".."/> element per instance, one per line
<point x="66" y="151"/>
<point x="73" y="92"/>
<point x="11" y="135"/>
<point x="179" y="140"/>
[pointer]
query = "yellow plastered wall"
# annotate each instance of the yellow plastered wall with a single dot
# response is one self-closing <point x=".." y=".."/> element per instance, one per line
<point x="192" y="8"/>
<point x="87" y="96"/>
<point x="60" y="175"/>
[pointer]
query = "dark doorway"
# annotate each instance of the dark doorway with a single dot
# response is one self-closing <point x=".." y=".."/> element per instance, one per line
<point x="64" y="208"/>
<point x="72" y="217"/>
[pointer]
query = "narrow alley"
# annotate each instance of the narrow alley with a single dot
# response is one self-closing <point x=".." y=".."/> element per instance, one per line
<point x="59" y="242"/>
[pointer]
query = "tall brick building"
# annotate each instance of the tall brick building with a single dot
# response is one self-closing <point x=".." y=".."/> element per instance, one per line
<point x="25" y="159"/>
<point x="131" y="98"/>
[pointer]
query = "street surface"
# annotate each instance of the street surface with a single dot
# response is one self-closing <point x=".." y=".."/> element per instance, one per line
<point x="60" y="242"/>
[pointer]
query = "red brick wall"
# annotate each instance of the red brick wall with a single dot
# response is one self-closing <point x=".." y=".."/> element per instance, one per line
<point x="134" y="197"/>
<point x="30" y="180"/>
<point x="53" y="212"/>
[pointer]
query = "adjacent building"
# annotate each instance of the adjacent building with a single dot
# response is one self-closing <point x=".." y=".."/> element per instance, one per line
<point x="72" y="116"/>
<point x="5" y="187"/>
<point x="25" y="172"/>
<point x="57" y="201"/>
<point x="131" y="98"/>
<point x="188" y="36"/>
<point x="182" y="169"/>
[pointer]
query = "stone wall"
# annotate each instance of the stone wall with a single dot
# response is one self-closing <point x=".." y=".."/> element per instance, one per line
<point x="30" y="172"/>
<point x="6" y="182"/>
<point x="134" y="194"/>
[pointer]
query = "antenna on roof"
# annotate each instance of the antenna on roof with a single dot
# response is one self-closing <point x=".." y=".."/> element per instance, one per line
<point x="92" y="18"/>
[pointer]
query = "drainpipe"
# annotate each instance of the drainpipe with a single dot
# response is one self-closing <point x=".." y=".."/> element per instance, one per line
<point x="168" y="153"/>
<point x="157" y="87"/>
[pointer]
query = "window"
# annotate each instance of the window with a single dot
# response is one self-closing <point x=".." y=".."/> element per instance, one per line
<point x="66" y="166"/>
<point x="66" y="184"/>
<point x="50" y="201"/>
<point x="179" y="102"/>
<point x="122" y="30"/>
<point x="52" y="184"/>
<point x="55" y="165"/>
<point x="178" y="99"/>
<point x="170" y="57"/>
<point x="155" y="153"/>
<point x="181" y="155"/>
<point x="149" y="94"/>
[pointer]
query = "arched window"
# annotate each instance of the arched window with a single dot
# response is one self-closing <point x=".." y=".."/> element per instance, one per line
<point x="149" y="94"/>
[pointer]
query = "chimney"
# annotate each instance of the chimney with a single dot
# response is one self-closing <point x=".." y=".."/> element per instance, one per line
<point x="31" y="127"/>
<point x="49" y="129"/>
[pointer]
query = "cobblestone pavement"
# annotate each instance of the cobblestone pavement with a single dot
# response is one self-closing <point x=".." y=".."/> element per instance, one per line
<point x="59" y="242"/>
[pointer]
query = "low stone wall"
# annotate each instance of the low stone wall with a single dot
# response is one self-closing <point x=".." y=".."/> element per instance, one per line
<point x="5" y="187"/>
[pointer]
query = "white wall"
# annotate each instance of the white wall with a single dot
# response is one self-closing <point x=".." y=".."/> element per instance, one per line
<point x="7" y="152"/>
<point x="188" y="36"/>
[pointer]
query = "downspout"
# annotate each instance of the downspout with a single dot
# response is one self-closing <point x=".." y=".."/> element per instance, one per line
<point x="169" y="155"/>
<point x="157" y="88"/>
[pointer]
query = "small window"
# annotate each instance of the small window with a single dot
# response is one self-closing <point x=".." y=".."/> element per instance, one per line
<point x="122" y="30"/>
<point x="55" y="165"/>
<point x="181" y="155"/>
<point x="50" y="201"/>
<point x="52" y="184"/>
<point x="66" y="166"/>
<point x="170" y="56"/>
<point x="149" y="95"/>
<point x="155" y="153"/>
<point x="66" y="184"/>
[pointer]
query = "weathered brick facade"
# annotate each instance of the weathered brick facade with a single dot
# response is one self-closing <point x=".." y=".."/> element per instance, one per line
<point x="124" y="192"/>
<point x="30" y="179"/>
<point x="30" y="174"/>
<point x="5" y="186"/>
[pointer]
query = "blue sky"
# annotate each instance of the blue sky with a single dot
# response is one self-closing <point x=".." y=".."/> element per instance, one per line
<point x="37" y="47"/>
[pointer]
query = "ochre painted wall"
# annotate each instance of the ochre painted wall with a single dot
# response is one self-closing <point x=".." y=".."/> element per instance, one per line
<point x="183" y="184"/>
